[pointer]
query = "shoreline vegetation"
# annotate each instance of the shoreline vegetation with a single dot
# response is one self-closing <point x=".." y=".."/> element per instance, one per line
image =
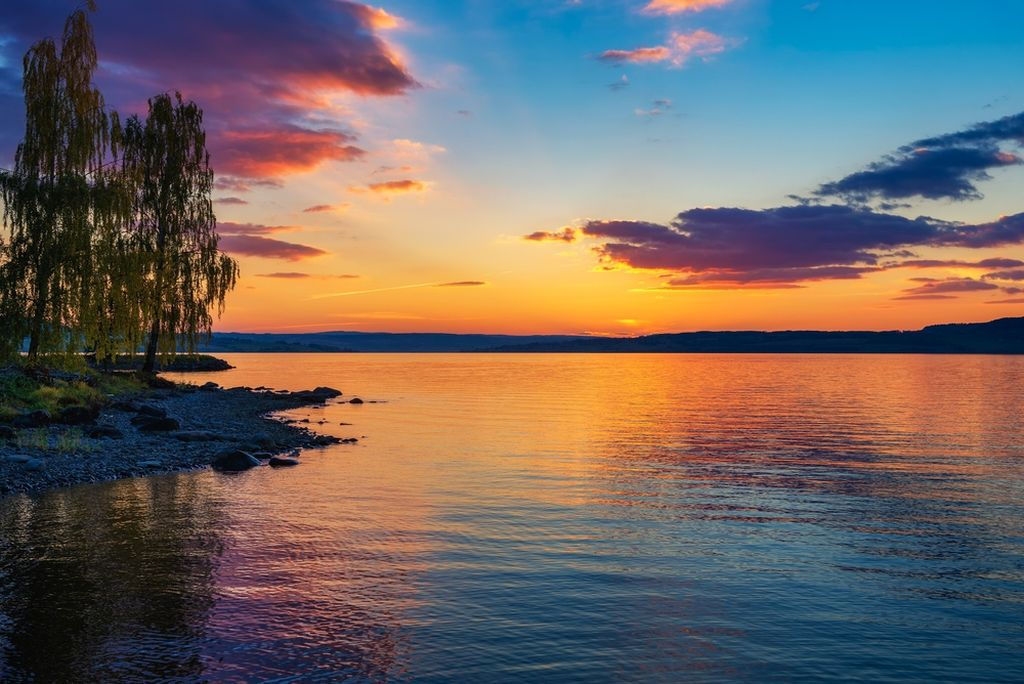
<point x="61" y="428"/>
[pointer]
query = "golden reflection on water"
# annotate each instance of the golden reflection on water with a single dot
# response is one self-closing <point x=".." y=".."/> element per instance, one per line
<point x="602" y="518"/>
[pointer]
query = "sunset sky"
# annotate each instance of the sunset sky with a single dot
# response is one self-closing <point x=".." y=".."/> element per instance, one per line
<point x="602" y="166"/>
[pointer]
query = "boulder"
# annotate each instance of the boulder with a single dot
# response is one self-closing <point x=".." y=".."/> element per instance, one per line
<point x="283" y="461"/>
<point x="78" y="415"/>
<point x="153" y="424"/>
<point x="234" y="461"/>
<point x="104" y="432"/>
<point x="314" y="396"/>
<point x="32" y="419"/>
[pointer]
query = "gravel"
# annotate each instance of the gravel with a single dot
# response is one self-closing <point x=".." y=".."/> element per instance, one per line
<point x="211" y="420"/>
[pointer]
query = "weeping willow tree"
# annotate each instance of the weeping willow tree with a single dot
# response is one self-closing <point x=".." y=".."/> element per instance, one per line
<point x="48" y="197"/>
<point x="183" y="275"/>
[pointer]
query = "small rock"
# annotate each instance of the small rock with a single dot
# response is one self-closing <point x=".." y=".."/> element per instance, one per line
<point x="209" y="386"/>
<point x="197" y="436"/>
<point x="264" y="441"/>
<point x="324" y="440"/>
<point x="150" y="410"/>
<point x="348" y="440"/>
<point x="104" y="432"/>
<point x="153" y="424"/>
<point x="78" y="415"/>
<point x="235" y="461"/>
<point x="355" y="400"/>
<point x="281" y="461"/>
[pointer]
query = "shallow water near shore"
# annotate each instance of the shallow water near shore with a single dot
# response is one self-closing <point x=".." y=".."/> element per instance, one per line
<point x="557" y="518"/>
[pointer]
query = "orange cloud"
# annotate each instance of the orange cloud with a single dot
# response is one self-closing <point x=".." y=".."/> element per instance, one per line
<point x="280" y="151"/>
<point x="323" y="208"/>
<point x="681" y="48"/>
<point x="565" y="235"/>
<point x="638" y="55"/>
<point x="395" y="187"/>
<point x="682" y="6"/>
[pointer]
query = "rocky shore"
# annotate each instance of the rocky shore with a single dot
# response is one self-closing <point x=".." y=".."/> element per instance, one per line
<point x="159" y="431"/>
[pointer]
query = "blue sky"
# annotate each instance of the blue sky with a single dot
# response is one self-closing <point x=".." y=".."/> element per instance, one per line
<point x="369" y="153"/>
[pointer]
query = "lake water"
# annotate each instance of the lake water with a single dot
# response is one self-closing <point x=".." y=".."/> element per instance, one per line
<point x="534" y="518"/>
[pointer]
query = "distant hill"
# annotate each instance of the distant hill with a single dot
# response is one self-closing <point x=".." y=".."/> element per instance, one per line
<point x="1002" y="336"/>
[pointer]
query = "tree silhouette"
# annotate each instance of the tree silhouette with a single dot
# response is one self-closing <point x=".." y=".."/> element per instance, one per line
<point x="48" y="196"/>
<point x="165" y="161"/>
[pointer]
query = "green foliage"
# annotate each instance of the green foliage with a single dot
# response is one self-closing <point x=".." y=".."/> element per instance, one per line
<point x="175" y="228"/>
<point x="111" y="228"/>
<point x="22" y="391"/>
<point x="48" y="198"/>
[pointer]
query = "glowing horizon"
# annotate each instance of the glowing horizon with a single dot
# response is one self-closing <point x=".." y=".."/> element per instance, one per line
<point x="577" y="166"/>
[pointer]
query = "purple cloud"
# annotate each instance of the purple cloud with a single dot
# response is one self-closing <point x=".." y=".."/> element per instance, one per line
<point x="782" y="246"/>
<point x="941" y="167"/>
<point x="263" y="72"/>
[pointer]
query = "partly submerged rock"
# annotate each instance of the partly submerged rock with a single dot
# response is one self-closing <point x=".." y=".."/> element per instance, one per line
<point x="355" y="400"/>
<point x="234" y="461"/>
<point x="283" y="461"/>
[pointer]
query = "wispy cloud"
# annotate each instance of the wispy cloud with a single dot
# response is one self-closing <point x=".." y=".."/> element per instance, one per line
<point x="395" y="187"/>
<point x="230" y="201"/>
<point x="682" y="6"/>
<point x="249" y="239"/>
<point x="564" y="235"/>
<point x="324" y="208"/>
<point x="413" y="286"/>
<point x="680" y="49"/>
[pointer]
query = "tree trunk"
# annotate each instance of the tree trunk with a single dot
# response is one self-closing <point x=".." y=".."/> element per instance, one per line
<point x="149" y="365"/>
<point x="38" y="317"/>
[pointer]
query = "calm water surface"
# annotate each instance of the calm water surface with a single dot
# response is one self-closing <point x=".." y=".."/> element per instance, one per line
<point x="541" y="518"/>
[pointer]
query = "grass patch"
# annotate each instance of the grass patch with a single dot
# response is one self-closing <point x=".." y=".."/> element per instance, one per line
<point x="23" y="389"/>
